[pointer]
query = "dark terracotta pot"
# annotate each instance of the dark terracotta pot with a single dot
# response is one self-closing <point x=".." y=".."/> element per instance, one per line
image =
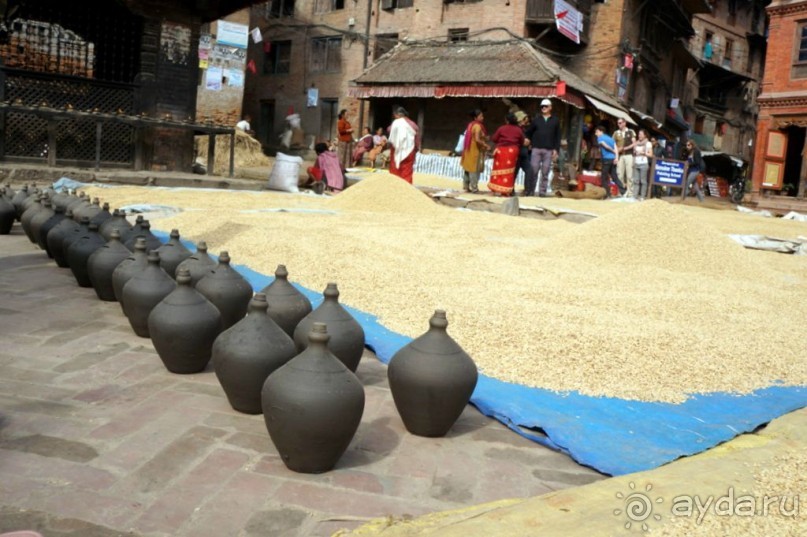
<point x="79" y="252"/>
<point x="40" y="218"/>
<point x="30" y="212"/>
<point x="103" y="262"/>
<point x="183" y="327"/>
<point x="61" y="199"/>
<point x="287" y="305"/>
<point x="347" y="335"/>
<point x="20" y="196"/>
<point x="247" y="353"/>
<point x="198" y="264"/>
<point x="56" y="236"/>
<point x="312" y="407"/>
<point x="7" y="216"/>
<point x="70" y="238"/>
<point x="77" y="204"/>
<point x="136" y="262"/>
<point x="172" y="253"/>
<point x="133" y="230"/>
<point x="101" y="216"/>
<point x="143" y="291"/>
<point x="89" y="210"/>
<point x="45" y="229"/>
<point x="227" y="290"/>
<point x="431" y="380"/>
<point x="27" y="202"/>
<point x="119" y="222"/>
<point x="152" y="242"/>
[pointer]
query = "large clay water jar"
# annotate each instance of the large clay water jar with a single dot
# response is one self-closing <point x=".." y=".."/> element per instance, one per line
<point x="89" y="210"/>
<point x="172" y="253"/>
<point x="312" y="407"/>
<point x="47" y="227"/>
<point x="101" y="216"/>
<point x="346" y="334"/>
<point x="287" y="305"/>
<point x="42" y="216"/>
<point x="77" y="203"/>
<point x="431" y="380"/>
<point x="143" y="291"/>
<point x="136" y="262"/>
<point x="152" y="242"/>
<point x="119" y="222"/>
<point x="103" y="262"/>
<point x="227" y="290"/>
<point x="246" y="354"/>
<point x="198" y="264"/>
<point x="7" y="216"/>
<point x="19" y="197"/>
<point x="133" y="230"/>
<point x="70" y="238"/>
<point x="27" y="202"/>
<point x="30" y="212"/>
<point x="56" y="236"/>
<point x="183" y="327"/>
<point x="79" y="252"/>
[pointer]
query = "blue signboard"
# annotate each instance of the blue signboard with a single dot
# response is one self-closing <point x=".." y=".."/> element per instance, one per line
<point x="669" y="172"/>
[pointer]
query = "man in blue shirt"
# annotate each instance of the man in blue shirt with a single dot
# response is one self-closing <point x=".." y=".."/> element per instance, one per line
<point x="608" y="152"/>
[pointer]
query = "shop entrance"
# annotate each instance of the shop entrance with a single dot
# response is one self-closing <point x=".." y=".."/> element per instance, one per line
<point x="793" y="181"/>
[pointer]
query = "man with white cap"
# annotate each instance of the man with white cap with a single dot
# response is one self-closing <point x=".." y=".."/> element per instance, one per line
<point x="544" y="136"/>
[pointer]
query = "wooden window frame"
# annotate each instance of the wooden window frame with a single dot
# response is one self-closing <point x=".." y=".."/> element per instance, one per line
<point x="326" y="44"/>
<point x="276" y="47"/>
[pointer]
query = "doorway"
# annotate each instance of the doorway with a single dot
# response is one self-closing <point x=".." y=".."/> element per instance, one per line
<point x="793" y="181"/>
<point x="327" y="120"/>
<point x="266" y="124"/>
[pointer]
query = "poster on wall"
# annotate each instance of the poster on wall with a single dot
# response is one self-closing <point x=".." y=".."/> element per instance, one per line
<point x="312" y="97"/>
<point x="213" y="78"/>
<point x="235" y="77"/>
<point x="205" y="42"/>
<point x="232" y="34"/>
<point x="175" y="43"/>
<point x="203" y="64"/>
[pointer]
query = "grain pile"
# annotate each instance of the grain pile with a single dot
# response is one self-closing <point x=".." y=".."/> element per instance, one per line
<point x="522" y="298"/>
<point x="384" y="193"/>
<point x="248" y="152"/>
<point x="785" y="479"/>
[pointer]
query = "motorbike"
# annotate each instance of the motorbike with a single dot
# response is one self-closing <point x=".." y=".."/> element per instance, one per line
<point x="737" y="190"/>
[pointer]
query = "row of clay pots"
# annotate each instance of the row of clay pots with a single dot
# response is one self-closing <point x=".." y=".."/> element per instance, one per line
<point x="271" y="352"/>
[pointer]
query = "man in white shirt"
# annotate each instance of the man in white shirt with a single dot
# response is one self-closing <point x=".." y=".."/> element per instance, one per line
<point x="245" y="126"/>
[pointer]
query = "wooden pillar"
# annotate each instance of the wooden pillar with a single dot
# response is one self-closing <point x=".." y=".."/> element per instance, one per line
<point x="211" y="152"/>
<point x="232" y="153"/>
<point x="52" y="142"/>
<point x="98" y="135"/>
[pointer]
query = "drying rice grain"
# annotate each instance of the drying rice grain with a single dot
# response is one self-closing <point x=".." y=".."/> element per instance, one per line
<point x="384" y="192"/>
<point x="525" y="308"/>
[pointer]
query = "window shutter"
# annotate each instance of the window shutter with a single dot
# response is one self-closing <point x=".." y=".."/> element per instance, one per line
<point x="387" y="4"/>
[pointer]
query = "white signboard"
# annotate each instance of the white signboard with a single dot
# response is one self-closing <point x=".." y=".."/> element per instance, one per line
<point x="232" y="34"/>
<point x="568" y="20"/>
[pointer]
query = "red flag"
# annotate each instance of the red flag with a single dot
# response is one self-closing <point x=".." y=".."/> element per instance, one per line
<point x="267" y="47"/>
<point x="251" y="67"/>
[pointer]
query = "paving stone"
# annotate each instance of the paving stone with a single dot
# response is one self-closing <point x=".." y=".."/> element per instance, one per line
<point x="88" y="359"/>
<point x="280" y="522"/>
<point x="12" y="519"/>
<point x="51" y="446"/>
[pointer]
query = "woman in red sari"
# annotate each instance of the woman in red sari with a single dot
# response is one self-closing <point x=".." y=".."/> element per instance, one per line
<point x="404" y="144"/>
<point x="508" y="139"/>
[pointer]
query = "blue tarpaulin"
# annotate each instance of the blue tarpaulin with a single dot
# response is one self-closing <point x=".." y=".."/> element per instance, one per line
<point x="613" y="436"/>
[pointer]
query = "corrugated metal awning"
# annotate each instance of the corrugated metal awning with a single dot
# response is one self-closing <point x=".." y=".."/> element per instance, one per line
<point x="611" y="110"/>
<point x="438" y="92"/>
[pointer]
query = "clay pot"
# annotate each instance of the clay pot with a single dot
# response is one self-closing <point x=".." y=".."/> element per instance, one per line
<point x="61" y="199"/>
<point x="77" y="204"/>
<point x="7" y="216"/>
<point x="431" y="380"/>
<point x="312" y="407"/>
<point x="27" y="202"/>
<point x="30" y="211"/>
<point x="42" y="216"/>
<point x="102" y="216"/>
<point x="46" y="228"/>
<point x="347" y="336"/>
<point x="103" y="262"/>
<point x="198" y="264"/>
<point x="287" y="305"/>
<point x="136" y="262"/>
<point x="172" y="253"/>
<point x="183" y="327"/>
<point x="19" y="197"/>
<point x="152" y="242"/>
<point x="56" y="237"/>
<point x="89" y="210"/>
<point x="79" y="252"/>
<point x="133" y="230"/>
<point x="119" y="222"/>
<point x="143" y="291"/>
<point x="227" y="290"/>
<point x="247" y="353"/>
<point x="70" y="238"/>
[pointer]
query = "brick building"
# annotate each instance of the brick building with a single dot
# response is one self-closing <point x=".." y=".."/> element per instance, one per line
<point x="110" y="84"/>
<point x="780" y="166"/>
<point x="730" y="44"/>
<point x="634" y="52"/>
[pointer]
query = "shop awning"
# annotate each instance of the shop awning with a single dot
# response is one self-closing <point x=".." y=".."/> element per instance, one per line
<point x="611" y="110"/>
<point x="738" y="162"/>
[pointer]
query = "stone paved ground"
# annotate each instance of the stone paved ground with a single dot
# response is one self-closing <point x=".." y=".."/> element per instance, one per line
<point x="98" y="439"/>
